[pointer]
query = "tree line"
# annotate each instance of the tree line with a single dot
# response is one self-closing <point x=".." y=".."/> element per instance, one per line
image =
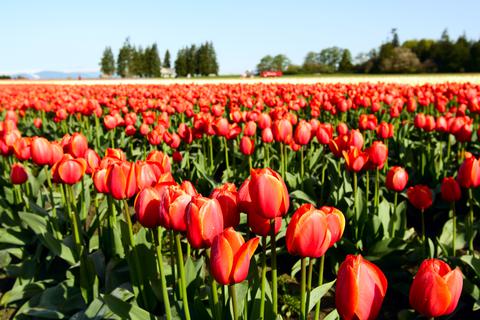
<point x="412" y="56"/>
<point x="134" y="61"/>
<point x="197" y="60"/>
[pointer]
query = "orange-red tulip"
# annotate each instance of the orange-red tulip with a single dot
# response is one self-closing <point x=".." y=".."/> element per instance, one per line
<point x="268" y="193"/>
<point x="420" y="196"/>
<point x="230" y="256"/>
<point x="227" y="197"/>
<point x="173" y="204"/>
<point x="436" y="289"/>
<point x="360" y="289"/>
<point x="18" y="174"/>
<point x="450" y="189"/>
<point x="204" y="220"/>
<point x="147" y="207"/>
<point x="41" y="151"/>
<point x="121" y="180"/>
<point x="69" y="170"/>
<point x="397" y="179"/>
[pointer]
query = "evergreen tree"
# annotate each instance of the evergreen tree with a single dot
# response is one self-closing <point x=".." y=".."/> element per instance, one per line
<point x="107" y="64"/>
<point x="166" y="60"/>
<point x="345" y="64"/>
<point x="124" y="59"/>
<point x="181" y="63"/>
<point x="265" y="63"/>
<point x="152" y="62"/>
<point x="202" y="59"/>
<point x="395" y="40"/>
<point x="280" y="62"/>
<point x="191" y="60"/>
<point x="212" y="60"/>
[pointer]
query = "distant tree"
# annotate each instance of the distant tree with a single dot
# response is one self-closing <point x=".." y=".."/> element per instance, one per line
<point x="202" y="60"/>
<point x="192" y="60"/>
<point x="124" y="58"/>
<point x="166" y="60"/>
<point x="345" y="64"/>
<point x="460" y="55"/>
<point x="293" y="69"/>
<point x="401" y="60"/>
<point x="395" y="39"/>
<point x="152" y="62"/>
<point x="265" y="63"/>
<point x="107" y="64"/>
<point x="137" y="65"/>
<point x="280" y="62"/>
<point x="474" y="64"/>
<point x="329" y="59"/>
<point x="311" y="63"/>
<point x="442" y="52"/>
<point x="213" y="67"/>
<point x="181" y="63"/>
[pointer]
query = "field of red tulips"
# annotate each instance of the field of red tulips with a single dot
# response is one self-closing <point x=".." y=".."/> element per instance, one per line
<point x="240" y="201"/>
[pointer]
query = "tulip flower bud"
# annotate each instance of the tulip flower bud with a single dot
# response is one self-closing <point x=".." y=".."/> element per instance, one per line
<point x="450" y="189"/>
<point x="18" y="174"/>
<point x="227" y="197"/>
<point x="312" y="231"/>
<point x="360" y="290"/>
<point x="230" y="256"/>
<point x="303" y="133"/>
<point x="41" y="151"/>
<point x="469" y="173"/>
<point x="269" y="193"/>
<point x="377" y="154"/>
<point x="397" y="179"/>
<point x="121" y="180"/>
<point x="69" y="170"/>
<point x="355" y="159"/>
<point x="147" y="207"/>
<point x="420" y="196"/>
<point x="247" y="146"/>
<point x="173" y="204"/>
<point x="204" y="220"/>
<point x="436" y="289"/>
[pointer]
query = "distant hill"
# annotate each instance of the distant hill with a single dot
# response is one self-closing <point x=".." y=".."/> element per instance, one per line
<point x="46" y="75"/>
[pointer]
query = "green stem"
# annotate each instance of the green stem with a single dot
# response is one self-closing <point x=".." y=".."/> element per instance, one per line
<point x="158" y="243"/>
<point x="454" y="228"/>
<point x="214" y="305"/>
<point x="302" y="289"/>
<point x="395" y="199"/>
<point x="172" y="260"/>
<point x="264" y="278"/>
<point x="274" y="268"/>
<point x="309" y="279"/>
<point x="282" y="161"/>
<point x="210" y="149"/>
<point x="54" y="219"/>
<point x="226" y="155"/>
<point x="367" y="191"/>
<point x="320" y="282"/>
<point x="250" y="162"/>
<point x="233" y="298"/>
<point x="355" y="187"/>
<point x="423" y="232"/>
<point x="136" y="259"/>
<point x="181" y="268"/>
<point x="377" y="182"/>
<point x="470" y="223"/>
<point x="302" y="170"/>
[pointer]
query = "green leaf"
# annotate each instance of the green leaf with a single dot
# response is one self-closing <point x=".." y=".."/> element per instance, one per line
<point x="300" y="195"/>
<point x="39" y="312"/>
<point x="125" y="310"/>
<point x="473" y="262"/>
<point x="317" y="293"/>
<point x="333" y="315"/>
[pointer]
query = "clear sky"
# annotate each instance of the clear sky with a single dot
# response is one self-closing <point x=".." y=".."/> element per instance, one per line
<point x="68" y="36"/>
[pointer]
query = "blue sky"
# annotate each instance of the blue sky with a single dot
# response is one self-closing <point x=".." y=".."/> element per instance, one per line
<point x="68" y="36"/>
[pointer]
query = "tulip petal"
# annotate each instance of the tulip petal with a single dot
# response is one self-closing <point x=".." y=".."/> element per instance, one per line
<point x="221" y="260"/>
<point x="242" y="260"/>
<point x="429" y="294"/>
<point x="346" y="292"/>
<point x="455" y="284"/>
<point x="234" y="238"/>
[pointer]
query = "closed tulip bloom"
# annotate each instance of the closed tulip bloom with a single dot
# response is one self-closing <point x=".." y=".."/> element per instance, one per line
<point x="267" y="135"/>
<point x="247" y="146"/>
<point x="282" y="131"/>
<point x="161" y="159"/>
<point x="57" y="153"/>
<point x="221" y="127"/>
<point x="110" y="122"/>
<point x="342" y="128"/>
<point x="227" y="197"/>
<point x="469" y="173"/>
<point x="250" y="129"/>
<point x="230" y="257"/>
<point x="355" y="139"/>
<point x="121" y="180"/>
<point x="146" y="176"/>
<point x="419" y="121"/>
<point x="37" y="122"/>
<point x="377" y="154"/>
<point x="21" y="149"/>
<point x="397" y="179"/>
<point x="147" y="207"/>
<point x="41" y="151"/>
<point x="360" y="289"/>
<point x="173" y="204"/>
<point x="264" y="121"/>
<point x="303" y="133"/>
<point x="450" y="189"/>
<point x="100" y="180"/>
<point x="69" y="170"/>
<point x="18" y="174"/>
<point x="204" y="220"/>
<point x="77" y="145"/>
<point x="324" y="133"/>
<point x="312" y="231"/>
<point x="385" y="130"/>
<point x="436" y="288"/>
<point x="355" y="159"/>
<point x="420" y="196"/>
<point x="269" y="193"/>
<point x="93" y="160"/>
<point x="189" y="188"/>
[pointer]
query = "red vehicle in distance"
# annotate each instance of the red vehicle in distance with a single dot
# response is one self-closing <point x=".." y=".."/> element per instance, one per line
<point x="271" y="74"/>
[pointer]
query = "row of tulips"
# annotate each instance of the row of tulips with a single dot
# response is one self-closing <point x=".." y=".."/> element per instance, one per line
<point x="198" y="242"/>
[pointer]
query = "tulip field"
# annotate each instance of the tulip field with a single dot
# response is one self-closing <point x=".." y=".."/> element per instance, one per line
<point x="240" y="201"/>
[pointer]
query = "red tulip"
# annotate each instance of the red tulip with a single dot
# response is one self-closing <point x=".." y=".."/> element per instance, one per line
<point x="147" y="207"/>
<point x="230" y="256"/>
<point x="69" y="170"/>
<point x="204" y="220"/>
<point x="145" y="174"/>
<point x="436" y="289"/>
<point x="420" y="196"/>
<point x="250" y="129"/>
<point x="21" y="149"/>
<point x="267" y="135"/>
<point x="41" y="151"/>
<point x="355" y="159"/>
<point x="121" y="180"/>
<point x="377" y="154"/>
<point x="247" y="146"/>
<point x="161" y="159"/>
<point x="18" y="174"/>
<point x="385" y="130"/>
<point x="312" y="231"/>
<point x="177" y="157"/>
<point x="37" y="122"/>
<point x="450" y="189"/>
<point x="268" y="193"/>
<point x="360" y="289"/>
<point x="77" y="145"/>
<point x="303" y="133"/>
<point x="324" y="133"/>
<point x="282" y="131"/>
<point x="227" y="197"/>
<point x="93" y="160"/>
<point x="469" y="173"/>
<point x="397" y="179"/>
<point x="173" y="204"/>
